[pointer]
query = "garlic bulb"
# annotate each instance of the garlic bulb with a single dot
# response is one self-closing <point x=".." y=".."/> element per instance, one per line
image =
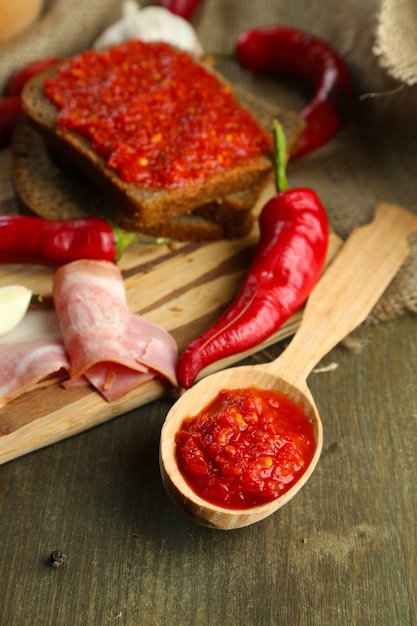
<point x="150" y="24"/>
<point x="14" y="302"/>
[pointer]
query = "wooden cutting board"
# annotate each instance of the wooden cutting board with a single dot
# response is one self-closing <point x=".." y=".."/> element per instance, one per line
<point x="182" y="287"/>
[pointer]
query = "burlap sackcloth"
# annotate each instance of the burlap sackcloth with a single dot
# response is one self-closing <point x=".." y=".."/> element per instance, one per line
<point x="373" y="159"/>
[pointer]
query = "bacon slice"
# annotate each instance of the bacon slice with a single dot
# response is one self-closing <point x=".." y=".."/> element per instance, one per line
<point x="31" y="352"/>
<point x="113" y="348"/>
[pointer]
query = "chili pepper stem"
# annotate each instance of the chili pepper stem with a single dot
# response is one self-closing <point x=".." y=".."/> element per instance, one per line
<point x="124" y="238"/>
<point x="280" y="157"/>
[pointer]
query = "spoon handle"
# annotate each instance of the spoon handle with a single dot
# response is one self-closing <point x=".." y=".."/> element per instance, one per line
<point x="348" y="290"/>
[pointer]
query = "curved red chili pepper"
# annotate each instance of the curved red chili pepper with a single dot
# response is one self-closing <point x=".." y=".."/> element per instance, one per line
<point x="29" y="239"/>
<point x="183" y="8"/>
<point x="287" y="50"/>
<point x="287" y="263"/>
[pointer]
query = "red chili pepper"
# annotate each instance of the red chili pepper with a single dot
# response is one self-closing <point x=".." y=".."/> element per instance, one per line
<point x="287" y="263"/>
<point x="10" y="111"/>
<point x="29" y="239"/>
<point x="183" y="8"/>
<point x="19" y="80"/>
<point x="287" y="50"/>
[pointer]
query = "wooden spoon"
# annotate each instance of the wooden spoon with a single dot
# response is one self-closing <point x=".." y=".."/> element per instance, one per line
<point x="340" y="301"/>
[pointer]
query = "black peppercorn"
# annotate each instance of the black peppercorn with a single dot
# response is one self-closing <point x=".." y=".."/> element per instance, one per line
<point x="57" y="558"/>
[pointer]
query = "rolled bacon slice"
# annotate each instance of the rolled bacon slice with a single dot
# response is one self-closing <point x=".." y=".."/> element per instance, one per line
<point x="30" y="353"/>
<point x="113" y="348"/>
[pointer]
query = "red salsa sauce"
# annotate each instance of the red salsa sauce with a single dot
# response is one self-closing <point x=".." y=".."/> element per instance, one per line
<point x="246" y="448"/>
<point x="158" y="118"/>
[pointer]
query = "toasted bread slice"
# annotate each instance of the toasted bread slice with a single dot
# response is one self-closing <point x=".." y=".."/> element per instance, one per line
<point x="144" y="205"/>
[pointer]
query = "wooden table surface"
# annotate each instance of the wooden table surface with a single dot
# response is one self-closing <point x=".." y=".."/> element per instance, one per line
<point x="343" y="552"/>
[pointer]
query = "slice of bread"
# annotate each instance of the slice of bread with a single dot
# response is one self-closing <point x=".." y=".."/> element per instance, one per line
<point x="145" y="205"/>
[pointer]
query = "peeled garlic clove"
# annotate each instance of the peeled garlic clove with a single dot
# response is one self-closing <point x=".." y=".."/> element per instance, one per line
<point x="150" y="24"/>
<point x="14" y="302"/>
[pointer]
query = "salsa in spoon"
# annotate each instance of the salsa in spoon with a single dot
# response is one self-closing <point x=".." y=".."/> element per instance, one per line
<point x="341" y="300"/>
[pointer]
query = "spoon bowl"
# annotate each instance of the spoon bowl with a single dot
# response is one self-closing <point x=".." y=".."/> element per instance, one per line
<point x="340" y="301"/>
<point x="191" y="403"/>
